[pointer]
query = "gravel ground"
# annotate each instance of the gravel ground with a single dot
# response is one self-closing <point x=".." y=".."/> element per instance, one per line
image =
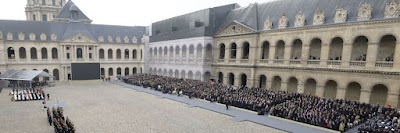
<point x="111" y="108"/>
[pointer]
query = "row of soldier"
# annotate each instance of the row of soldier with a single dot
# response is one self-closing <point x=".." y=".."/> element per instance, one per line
<point x="388" y="122"/>
<point x="61" y="125"/>
<point x="27" y="94"/>
<point x="333" y="114"/>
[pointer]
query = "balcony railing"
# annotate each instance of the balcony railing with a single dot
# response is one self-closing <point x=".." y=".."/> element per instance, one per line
<point x="208" y="60"/>
<point x="232" y="60"/>
<point x="357" y="63"/>
<point x="313" y="62"/>
<point x="244" y="61"/>
<point x="264" y="61"/>
<point x="221" y="60"/>
<point x="278" y="61"/>
<point x="384" y="64"/>
<point x="334" y="62"/>
<point x="295" y="62"/>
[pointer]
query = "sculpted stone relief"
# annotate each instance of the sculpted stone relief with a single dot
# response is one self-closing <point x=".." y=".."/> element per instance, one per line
<point x="110" y="39"/>
<point x="9" y="36"/>
<point x="21" y="36"/>
<point x="101" y="39"/>
<point x="341" y="15"/>
<point x="43" y="37"/>
<point x="143" y="39"/>
<point x="300" y="20"/>
<point x="364" y="12"/>
<point x="53" y="37"/>
<point x="319" y="17"/>
<point x="118" y="39"/>
<point x="283" y="22"/>
<point x="268" y="23"/>
<point x="126" y="39"/>
<point x="235" y="29"/>
<point x="392" y="9"/>
<point x="32" y="36"/>
<point x="134" y="39"/>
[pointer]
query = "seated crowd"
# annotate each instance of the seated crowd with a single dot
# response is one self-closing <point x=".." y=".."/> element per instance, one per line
<point x="387" y="122"/>
<point x="333" y="114"/>
<point x="243" y="97"/>
<point x="338" y="115"/>
<point x="61" y="125"/>
<point x="27" y="94"/>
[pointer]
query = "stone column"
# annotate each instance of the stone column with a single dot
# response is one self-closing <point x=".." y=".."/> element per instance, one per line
<point x="287" y="54"/>
<point x="319" y="91"/>
<point x="28" y="55"/>
<point x="396" y="64"/>
<point x="51" y="74"/>
<point x="272" y="54"/>
<point x="284" y="86"/>
<point x="16" y="52"/>
<point x="114" y="55"/>
<point x="269" y="83"/>
<point x="392" y="99"/>
<point x="341" y="93"/>
<point x="106" y="72"/>
<point x="39" y="54"/>
<point x="372" y="53"/>
<point x="365" y="96"/>
<point x="300" y="87"/>
<point x="346" y="54"/>
<point x="49" y="54"/>
<point x="304" y="55"/>
<point x="324" y="54"/>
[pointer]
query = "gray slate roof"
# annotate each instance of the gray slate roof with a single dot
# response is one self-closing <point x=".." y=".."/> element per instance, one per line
<point x="255" y="14"/>
<point x="64" y="30"/>
<point x="65" y="12"/>
<point x="209" y="19"/>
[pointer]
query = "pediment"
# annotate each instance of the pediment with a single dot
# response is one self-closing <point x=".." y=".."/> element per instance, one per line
<point x="235" y="28"/>
<point x="79" y="38"/>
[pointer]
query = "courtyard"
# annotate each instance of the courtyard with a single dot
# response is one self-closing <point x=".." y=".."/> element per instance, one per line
<point x="106" y="107"/>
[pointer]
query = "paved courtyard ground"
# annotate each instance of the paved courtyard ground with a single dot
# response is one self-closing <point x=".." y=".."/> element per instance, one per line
<point x="112" y="108"/>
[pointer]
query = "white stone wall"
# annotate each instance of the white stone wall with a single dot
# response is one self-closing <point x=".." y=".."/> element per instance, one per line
<point x="192" y="63"/>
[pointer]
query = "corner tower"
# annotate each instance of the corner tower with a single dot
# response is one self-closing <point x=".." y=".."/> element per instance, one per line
<point x="43" y="10"/>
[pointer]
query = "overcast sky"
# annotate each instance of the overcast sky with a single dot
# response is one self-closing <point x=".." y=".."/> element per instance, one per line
<point x="126" y="12"/>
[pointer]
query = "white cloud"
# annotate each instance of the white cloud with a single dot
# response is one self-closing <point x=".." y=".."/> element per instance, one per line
<point x="126" y="12"/>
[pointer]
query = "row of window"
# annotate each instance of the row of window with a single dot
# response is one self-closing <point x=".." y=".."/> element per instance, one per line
<point x="378" y="95"/>
<point x="119" y="71"/>
<point x="119" y="54"/>
<point x="160" y="51"/>
<point x="359" y="50"/>
<point x="22" y="52"/>
<point x="33" y="53"/>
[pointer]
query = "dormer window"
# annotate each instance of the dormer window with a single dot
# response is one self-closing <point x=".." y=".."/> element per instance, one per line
<point x="74" y="15"/>
<point x="174" y="28"/>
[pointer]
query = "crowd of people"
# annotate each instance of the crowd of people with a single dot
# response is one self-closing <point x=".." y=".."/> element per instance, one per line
<point x="254" y="99"/>
<point x="27" y="94"/>
<point x="61" y="125"/>
<point x="339" y="115"/>
<point x="387" y="122"/>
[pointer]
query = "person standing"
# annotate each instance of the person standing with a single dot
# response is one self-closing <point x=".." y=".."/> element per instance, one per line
<point x="227" y="104"/>
<point x="48" y="96"/>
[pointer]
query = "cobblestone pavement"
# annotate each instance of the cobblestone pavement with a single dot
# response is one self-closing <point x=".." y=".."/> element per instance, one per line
<point x="112" y="108"/>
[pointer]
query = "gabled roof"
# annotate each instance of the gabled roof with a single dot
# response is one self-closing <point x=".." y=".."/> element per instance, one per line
<point x="65" y="12"/>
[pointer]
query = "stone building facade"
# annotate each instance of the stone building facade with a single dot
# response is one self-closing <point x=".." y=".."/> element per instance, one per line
<point x="43" y="10"/>
<point x="54" y="46"/>
<point x="335" y="49"/>
<point x="182" y="46"/>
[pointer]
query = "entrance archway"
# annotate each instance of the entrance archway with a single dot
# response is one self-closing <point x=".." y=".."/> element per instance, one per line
<point x="292" y="85"/>
<point x="379" y="94"/>
<point x="330" y="89"/>
<point x="276" y="84"/>
<point x="310" y="87"/>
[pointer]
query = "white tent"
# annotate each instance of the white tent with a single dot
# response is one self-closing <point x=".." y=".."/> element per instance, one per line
<point x="23" y="75"/>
